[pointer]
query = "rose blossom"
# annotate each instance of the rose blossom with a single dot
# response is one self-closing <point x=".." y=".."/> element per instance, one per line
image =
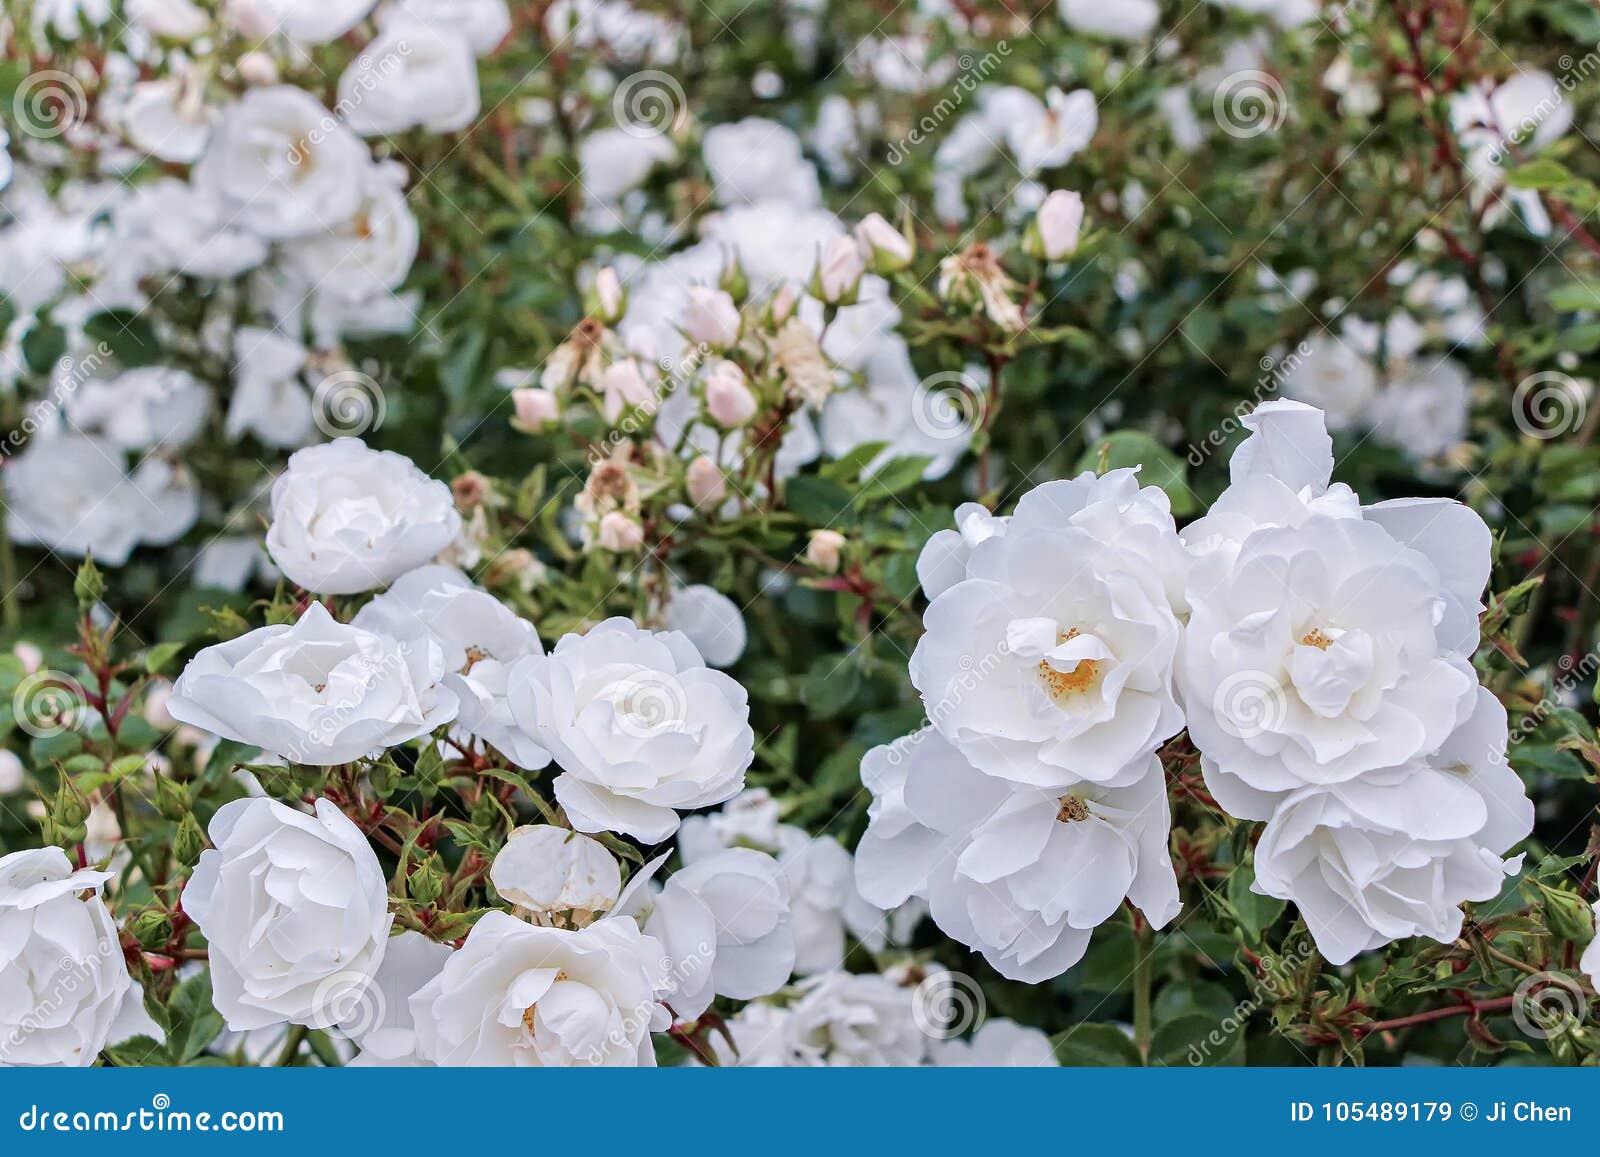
<point x="63" y="979"/>
<point x="514" y="994"/>
<point x="639" y="724"/>
<point x="710" y="318"/>
<point x="412" y="74"/>
<point x="884" y="246"/>
<point x="317" y="691"/>
<point x="347" y="519"/>
<point x="295" y="909"/>
<point x="549" y="870"/>
<point x="728" y="398"/>
<point x="1058" y="224"/>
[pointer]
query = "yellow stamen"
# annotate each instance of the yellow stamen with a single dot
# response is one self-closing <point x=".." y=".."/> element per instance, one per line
<point x="1315" y="638"/>
<point x="1064" y="684"/>
<point x="1072" y="810"/>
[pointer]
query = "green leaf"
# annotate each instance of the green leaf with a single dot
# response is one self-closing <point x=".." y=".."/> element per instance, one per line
<point x="1096" y="1045"/>
<point x="1198" y="1039"/>
<point x="893" y="477"/>
<point x="1256" y="912"/>
<point x="831" y="685"/>
<point x="1159" y="466"/>
<point x="158" y="656"/>
<point x="818" y="501"/>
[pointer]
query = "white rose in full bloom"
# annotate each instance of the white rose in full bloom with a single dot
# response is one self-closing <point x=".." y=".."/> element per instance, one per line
<point x="308" y="21"/>
<point x="549" y="870"/>
<point x="998" y="1043"/>
<point x="818" y="875"/>
<point x="1050" y="662"/>
<point x="485" y="23"/>
<point x="70" y="493"/>
<point x="1020" y="874"/>
<point x="317" y="692"/>
<point x="347" y="519"/>
<point x="295" y="909"/>
<point x="283" y="166"/>
<point x="168" y="119"/>
<point x="514" y="994"/>
<point x="841" y="1019"/>
<point x="1325" y="639"/>
<point x="723" y="923"/>
<point x="640" y="725"/>
<point x="63" y="979"/>
<point x="370" y="252"/>
<point x="1122" y="20"/>
<point x="481" y="640"/>
<point x="1425" y="410"/>
<point x="175" y="19"/>
<point x="142" y="407"/>
<point x="412" y="74"/>
<point x="1394" y="853"/>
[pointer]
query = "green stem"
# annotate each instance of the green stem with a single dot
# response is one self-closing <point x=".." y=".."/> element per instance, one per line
<point x="291" y="1046"/>
<point x="1143" y="981"/>
<point x="10" y="612"/>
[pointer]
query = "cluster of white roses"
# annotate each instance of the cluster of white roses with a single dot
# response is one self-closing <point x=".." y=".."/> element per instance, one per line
<point x="1319" y="652"/>
<point x="270" y="199"/>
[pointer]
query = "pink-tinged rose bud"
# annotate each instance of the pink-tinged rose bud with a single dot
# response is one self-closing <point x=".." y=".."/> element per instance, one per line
<point x="706" y="483"/>
<point x="1059" y="224"/>
<point x="839" y="271"/>
<point x="886" y="248"/>
<point x="536" y="408"/>
<point x="258" y="68"/>
<point x="30" y="656"/>
<point x="823" y="550"/>
<point x="711" y="318"/>
<point x="728" y="399"/>
<point x="783" y="304"/>
<point x="155" y="706"/>
<point x="620" y="533"/>
<point x="624" y="386"/>
<point x="608" y="295"/>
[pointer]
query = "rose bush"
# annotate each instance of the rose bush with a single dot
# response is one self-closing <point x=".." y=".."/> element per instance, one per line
<point x="608" y="533"/>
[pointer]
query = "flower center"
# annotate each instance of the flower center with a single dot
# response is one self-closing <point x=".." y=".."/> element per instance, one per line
<point x="1072" y="810"/>
<point x="1315" y="638"/>
<point x="1062" y="685"/>
<point x="475" y="655"/>
<point x="529" y="1013"/>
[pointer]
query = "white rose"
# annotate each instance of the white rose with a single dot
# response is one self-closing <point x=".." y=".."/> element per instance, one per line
<point x="863" y="1020"/>
<point x="1333" y="375"/>
<point x="485" y="23"/>
<point x="518" y="995"/>
<point x="724" y="925"/>
<point x="839" y="270"/>
<point x="174" y="19"/>
<point x="142" y="407"/>
<point x="481" y="640"/>
<point x="640" y="726"/>
<point x="1325" y="639"/>
<point x="63" y="979"/>
<point x="998" y="1043"/>
<point x="185" y="229"/>
<point x="1425" y="411"/>
<point x="1046" y="136"/>
<point x="295" y="909"/>
<point x="710" y="317"/>
<point x="1051" y="661"/>
<point x="282" y="165"/>
<point x="411" y="74"/>
<point x="885" y="246"/>
<point x="168" y="119"/>
<point x="1395" y="852"/>
<point x="754" y="161"/>
<point x="379" y="1020"/>
<point x="550" y="870"/>
<point x="1118" y="20"/>
<point x="347" y="519"/>
<point x="711" y="620"/>
<point x="308" y="21"/>
<point x="1020" y="874"/>
<point x="612" y="162"/>
<point x="370" y="252"/>
<point x="1058" y="224"/>
<point x="316" y="692"/>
